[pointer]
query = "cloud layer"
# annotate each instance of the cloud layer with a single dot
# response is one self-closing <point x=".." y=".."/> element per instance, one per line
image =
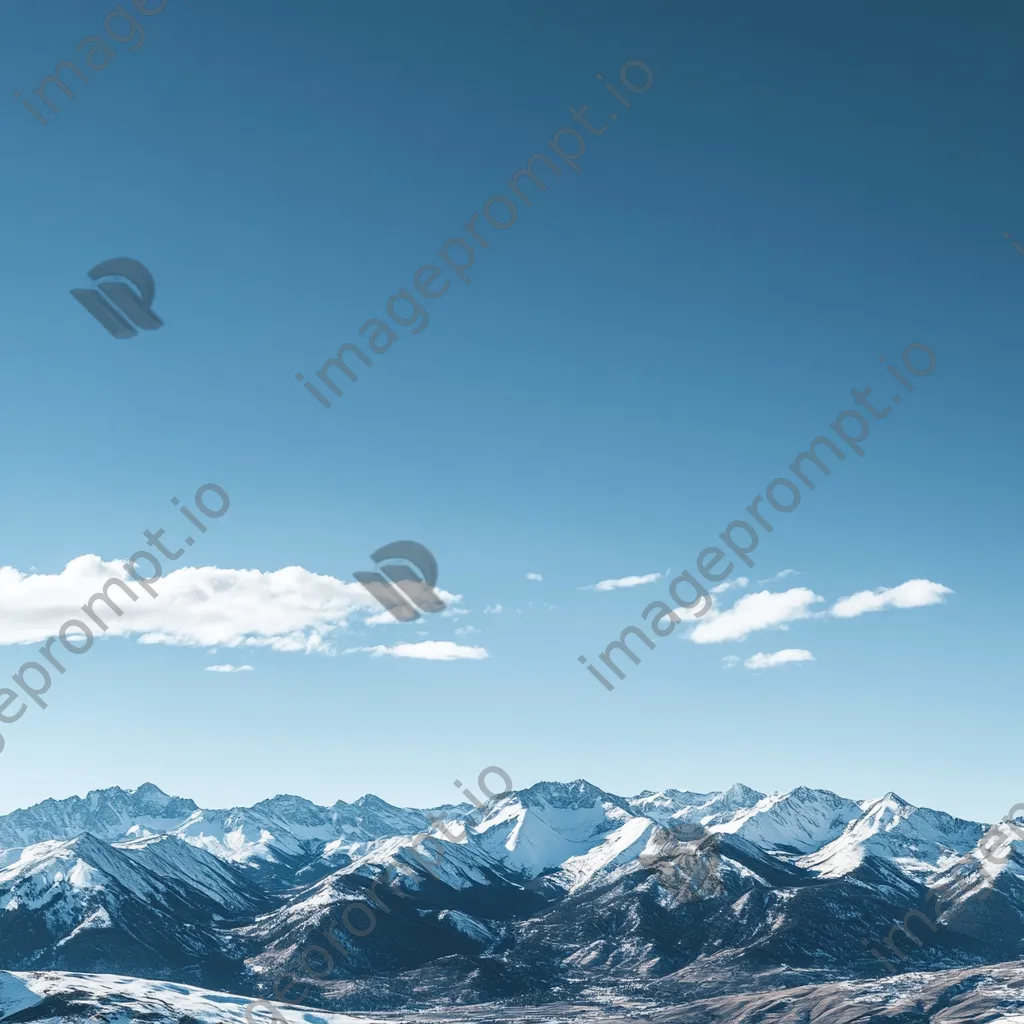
<point x="290" y="609"/>
<point x="768" y="610"/>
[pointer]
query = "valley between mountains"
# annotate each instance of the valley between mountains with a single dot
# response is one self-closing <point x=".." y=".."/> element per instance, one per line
<point x="561" y="901"/>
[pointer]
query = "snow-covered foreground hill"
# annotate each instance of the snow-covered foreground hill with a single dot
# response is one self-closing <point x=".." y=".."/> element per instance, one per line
<point x="995" y="995"/>
<point x="51" y="995"/>
<point x="560" y="894"/>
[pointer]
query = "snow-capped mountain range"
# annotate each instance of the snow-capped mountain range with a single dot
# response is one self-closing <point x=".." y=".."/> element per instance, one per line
<point x="556" y="892"/>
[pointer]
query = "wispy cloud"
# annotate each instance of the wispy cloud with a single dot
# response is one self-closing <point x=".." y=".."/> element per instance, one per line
<point x="229" y="668"/>
<point x="466" y="630"/>
<point x="778" y="576"/>
<point x="740" y="581"/>
<point x="753" y="612"/>
<point x="623" y="582"/>
<point x="493" y="609"/>
<point x="534" y="576"/>
<point x="912" y="594"/>
<point x="786" y="657"/>
<point x="426" y="650"/>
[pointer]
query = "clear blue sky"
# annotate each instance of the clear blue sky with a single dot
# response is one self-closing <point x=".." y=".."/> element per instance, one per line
<point x="799" y="192"/>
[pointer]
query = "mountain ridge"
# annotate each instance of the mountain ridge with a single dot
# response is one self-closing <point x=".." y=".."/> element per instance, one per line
<point x="557" y="890"/>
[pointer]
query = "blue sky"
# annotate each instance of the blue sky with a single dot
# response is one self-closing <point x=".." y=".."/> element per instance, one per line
<point x="649" y="344"/>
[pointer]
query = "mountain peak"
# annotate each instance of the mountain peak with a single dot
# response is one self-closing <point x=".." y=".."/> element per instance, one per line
<point x="157" y="803"/>
<point x="287" y="802"/>
<point x="371" y="801"/>
<point x="739" y="793"/>
<point x="150" y="791"/>
<point x="896" y="798"/>
<point x="891" y="802"/>
<point x="809" y="793"/>
<point x="578" y="793"/>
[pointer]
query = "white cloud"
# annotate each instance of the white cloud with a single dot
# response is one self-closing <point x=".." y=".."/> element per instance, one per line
<point x="625" y="581"/>
<point x="426" y="650"/>
<point x="740" y="581"/>
<point x="534" y="576"/>
<point x="912" y="594"/>
<point x="466" y="630"/>
<point x="290" y="609"/>
<point x="454" y="613"/>
<point x="753" y="612"/>
<point x="731" y="661"/>
<point x="786" y="657"/>
<point x="493" y="609"/>
<point x="229" y="668"/>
